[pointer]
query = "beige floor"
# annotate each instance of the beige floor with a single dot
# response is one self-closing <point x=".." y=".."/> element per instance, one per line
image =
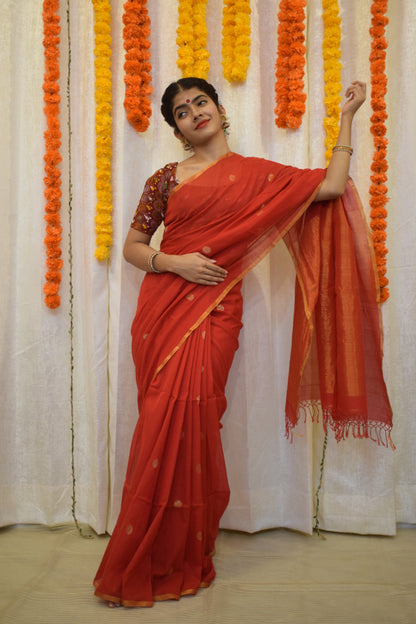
<point x="274" y="576"/>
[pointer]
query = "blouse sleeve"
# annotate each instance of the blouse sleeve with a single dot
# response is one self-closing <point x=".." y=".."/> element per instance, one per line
<point x="152" y="206"/>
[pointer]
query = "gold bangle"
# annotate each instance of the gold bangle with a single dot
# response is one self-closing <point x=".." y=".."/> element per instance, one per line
<point x="150" y="261"/>
<point x="343" y="148"/>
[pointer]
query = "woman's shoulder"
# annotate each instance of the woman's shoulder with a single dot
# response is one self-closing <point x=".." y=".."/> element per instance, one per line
<point x="164" y="177"/>
<point x="261" y="164"/>
<point x="167" y="169"/>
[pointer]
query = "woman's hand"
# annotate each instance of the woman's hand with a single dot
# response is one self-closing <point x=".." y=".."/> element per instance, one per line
<point x="197" y="268"/>
<point x="193" y="267"/>
<point x="333" y="185"/>
<point x="355" y="95"/>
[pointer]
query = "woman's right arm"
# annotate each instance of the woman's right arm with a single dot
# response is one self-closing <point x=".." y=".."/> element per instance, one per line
<point x="193" y="267"/>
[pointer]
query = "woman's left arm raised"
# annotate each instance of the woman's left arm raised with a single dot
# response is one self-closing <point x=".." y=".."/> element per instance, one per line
<point x="333" y="185"/>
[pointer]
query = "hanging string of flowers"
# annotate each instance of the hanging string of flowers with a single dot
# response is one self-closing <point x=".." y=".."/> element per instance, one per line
<point x="137" y="68"/>
<point x="331" y="49"/>
<point x="191" y="39"/>
<point x="103" y="146"/>
<point x="52" y="158"/>
<point x="236" y="40"/>
<point x="290" y="98"/>
<point x="378" y="188"/>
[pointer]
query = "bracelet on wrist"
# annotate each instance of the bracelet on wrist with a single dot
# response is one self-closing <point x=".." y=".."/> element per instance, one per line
<point x="150" y="261"/>
<point x="343" y="148"/>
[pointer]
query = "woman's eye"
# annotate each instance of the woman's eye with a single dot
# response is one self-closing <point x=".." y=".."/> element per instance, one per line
<point x="202" y="102"/>
<point x="181" y="114"/>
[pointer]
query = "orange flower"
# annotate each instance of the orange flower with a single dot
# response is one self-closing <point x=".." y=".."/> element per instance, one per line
<point x="290" y="98"/>
<point x="137" y="68"/>
<point x="52" y="158"/>
<point x="378" y="189"/>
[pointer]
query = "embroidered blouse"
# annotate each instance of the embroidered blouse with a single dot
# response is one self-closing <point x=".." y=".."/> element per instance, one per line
<point x="152" y="205"/>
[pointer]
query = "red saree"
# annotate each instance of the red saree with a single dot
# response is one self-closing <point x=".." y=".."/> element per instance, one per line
<point x="184" y="339"/>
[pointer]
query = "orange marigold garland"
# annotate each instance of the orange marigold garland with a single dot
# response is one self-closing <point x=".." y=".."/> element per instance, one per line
<point x="191" y="38"/>
<point x="331" y="50"/>
<point x="137" y="68"/>
<point x="103" y="123"/>
<point x="236" y="41"/>
<point x="52" y="158"/>
<point x="290" y="98"/>
<point x="378" y="188"/>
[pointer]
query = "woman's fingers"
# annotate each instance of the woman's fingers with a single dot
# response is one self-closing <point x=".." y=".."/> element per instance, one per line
<point x="211" y="266"/>
<point x="355" y="95"/>
<point x="356" y="89"/>
<point x="197" y="268"/>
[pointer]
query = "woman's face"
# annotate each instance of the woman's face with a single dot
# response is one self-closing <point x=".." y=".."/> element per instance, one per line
<point x="196" y="116"/>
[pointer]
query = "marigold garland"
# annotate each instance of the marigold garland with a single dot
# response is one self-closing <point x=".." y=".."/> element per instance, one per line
<point x="191" y="39"/>
<point x="290" y="98"/>
<point x="52" y="158"/>
<point x="137" y="68"/>
<point x="236" y="40"/>
<point x="103" y="146"/>
<point x="331" y="49"/>
<point x="378" y="188"/>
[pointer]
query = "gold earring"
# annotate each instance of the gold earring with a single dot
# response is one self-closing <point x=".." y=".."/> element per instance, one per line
<point x="225" y="124"/>
<point x="186" y="145"/>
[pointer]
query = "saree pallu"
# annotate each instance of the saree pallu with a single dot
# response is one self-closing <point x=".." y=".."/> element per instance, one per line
<point x="184" y="339"/>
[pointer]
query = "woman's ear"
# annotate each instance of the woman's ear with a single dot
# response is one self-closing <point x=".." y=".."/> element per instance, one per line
<point x="177" y="134"/>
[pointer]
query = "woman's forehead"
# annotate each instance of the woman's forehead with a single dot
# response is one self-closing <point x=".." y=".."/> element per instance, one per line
<point x="186" y="96"/>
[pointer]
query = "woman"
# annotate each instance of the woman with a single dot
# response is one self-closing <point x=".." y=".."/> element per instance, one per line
<point x="222" y="214"/>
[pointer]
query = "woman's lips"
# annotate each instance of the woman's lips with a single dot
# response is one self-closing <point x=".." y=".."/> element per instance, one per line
<point x="202" y="124"/>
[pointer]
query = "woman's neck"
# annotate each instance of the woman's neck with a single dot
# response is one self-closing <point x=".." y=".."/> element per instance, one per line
<point x="211" y="151"/>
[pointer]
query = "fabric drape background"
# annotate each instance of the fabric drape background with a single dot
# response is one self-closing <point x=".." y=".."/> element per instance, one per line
<point x="366" y="488"/>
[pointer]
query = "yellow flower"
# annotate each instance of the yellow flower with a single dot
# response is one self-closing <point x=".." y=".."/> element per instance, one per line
<point x="236" y="40"/>
<point x="192" y="38"/>
<point x="331" y="52"/>
<point x="103" y="121"/>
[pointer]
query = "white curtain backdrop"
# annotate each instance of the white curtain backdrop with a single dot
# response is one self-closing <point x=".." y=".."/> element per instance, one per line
<point x="57" y="392"/>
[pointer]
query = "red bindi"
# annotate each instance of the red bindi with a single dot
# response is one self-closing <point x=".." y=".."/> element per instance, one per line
<point x="188" y="101"/>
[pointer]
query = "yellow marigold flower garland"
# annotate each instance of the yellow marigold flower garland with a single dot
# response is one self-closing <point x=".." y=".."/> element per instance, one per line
<point x="331" y="49"/>
<point x="103" y="218"/>
<point x="137" y="68"/>
<point x="236" y="40"/>
<point x="191" y="39"/>
<point x="378" y="188"/>
<point x="52" y="158"/>
<point x="290" y="98"/>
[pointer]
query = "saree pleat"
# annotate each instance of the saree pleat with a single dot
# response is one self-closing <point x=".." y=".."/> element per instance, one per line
<point x="184" y="337"/>
<point x="176" y="487"/>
